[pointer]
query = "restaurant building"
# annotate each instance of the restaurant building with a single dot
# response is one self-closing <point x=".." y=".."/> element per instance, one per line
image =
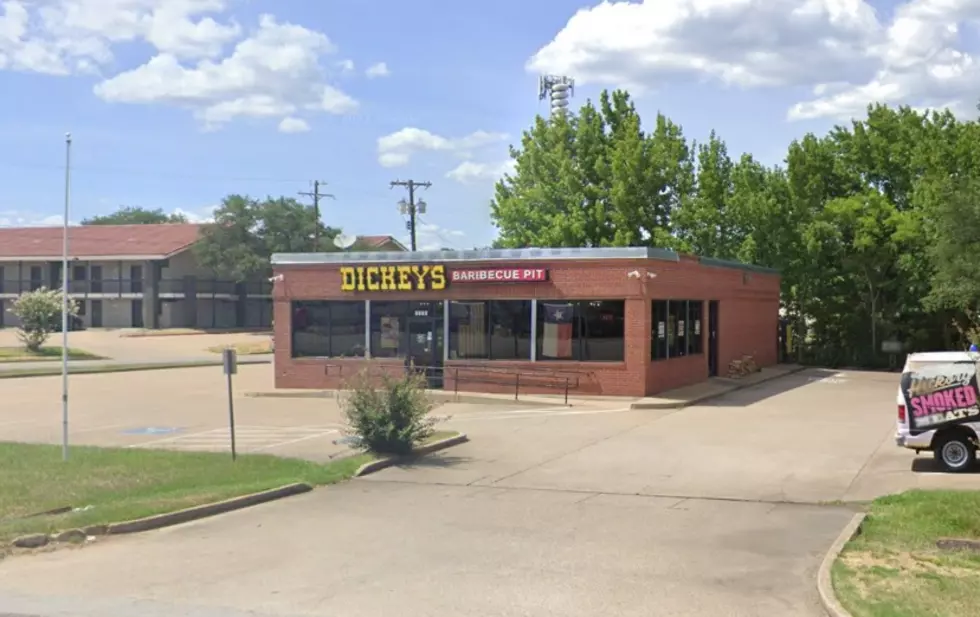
<point x="610" y="321"/>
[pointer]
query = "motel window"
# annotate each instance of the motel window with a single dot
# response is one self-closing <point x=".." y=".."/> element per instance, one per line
<point x="659" y="347"/>
<point x="490" y="330"/>
<point x="583" y="330"/>
<point x="328" y="329"/>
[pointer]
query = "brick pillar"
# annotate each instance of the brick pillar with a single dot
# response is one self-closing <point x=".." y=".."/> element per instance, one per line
<point x="151" y="295"/>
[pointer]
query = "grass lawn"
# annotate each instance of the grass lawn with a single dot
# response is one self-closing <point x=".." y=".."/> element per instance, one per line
<point x="19" y="354"/>
<point x="116" y="484"/>
<point x="250" y="348"/>
<point x="894" y="569"/>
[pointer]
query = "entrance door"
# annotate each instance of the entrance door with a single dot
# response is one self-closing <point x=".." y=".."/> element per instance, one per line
<point x="96" y="316"/>
<point x="424" y="349"/>
<point x="713" y="338"/>
<point x="136" y="307"/>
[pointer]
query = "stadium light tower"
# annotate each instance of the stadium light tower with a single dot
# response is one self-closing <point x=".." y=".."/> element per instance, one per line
<point x="558" y="89"/>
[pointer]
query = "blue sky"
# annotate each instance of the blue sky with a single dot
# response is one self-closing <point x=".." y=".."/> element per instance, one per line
<point x="463" y="75"/>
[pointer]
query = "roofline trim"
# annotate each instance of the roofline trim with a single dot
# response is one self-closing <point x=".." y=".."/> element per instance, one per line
<point x="86" y="257"/>
<point x="736" y="265"/>
<point x="528" y="254"/>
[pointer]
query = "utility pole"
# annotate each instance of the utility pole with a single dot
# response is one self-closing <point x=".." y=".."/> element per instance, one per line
<point x="411" y="208"/>
<point x="316" y="195"/>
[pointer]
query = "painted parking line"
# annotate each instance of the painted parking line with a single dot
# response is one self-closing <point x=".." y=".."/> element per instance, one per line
<point x="247" y="438"/>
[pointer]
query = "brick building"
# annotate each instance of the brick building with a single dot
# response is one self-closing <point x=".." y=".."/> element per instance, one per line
<point x="612" y="321"/>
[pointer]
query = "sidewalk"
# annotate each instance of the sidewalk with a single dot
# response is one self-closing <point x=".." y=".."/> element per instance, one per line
<point x="716" y="386"/>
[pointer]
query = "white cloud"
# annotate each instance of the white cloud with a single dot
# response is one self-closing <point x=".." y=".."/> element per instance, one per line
<point x="20" y="218"/>
<point x="201" y="215"/>
<point x="430" y="237"/>
<point x="377" y="70"/>
<point x="839" y="48"/>
<point x="469" y="172"/>
<point x="396" y="149"/>
<point x="200" y="60"/>
<point x="346" y="66"/>
<point x="293" y="125"/>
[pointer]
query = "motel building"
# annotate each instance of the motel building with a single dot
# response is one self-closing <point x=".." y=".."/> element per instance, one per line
<point x="609" y="321"/>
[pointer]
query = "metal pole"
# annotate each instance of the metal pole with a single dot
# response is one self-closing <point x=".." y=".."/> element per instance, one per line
<point x="64" y="302"/>
<point x="231" y="419"/>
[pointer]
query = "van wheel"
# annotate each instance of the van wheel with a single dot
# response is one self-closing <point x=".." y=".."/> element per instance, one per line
<point x="956" y="452"/>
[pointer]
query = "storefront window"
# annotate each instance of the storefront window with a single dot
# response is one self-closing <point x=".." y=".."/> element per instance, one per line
<point x="402" y="329"/>
<point x="694" y="314"/>
<point x="490" y="330"/>
<point x="676" y="328"/>
<point x="328" y="329"/>
<point x="677" y="318"/>
<point x="389" y="321"/>
<point x="584" y="330"/>
<point x="659" y="330"/>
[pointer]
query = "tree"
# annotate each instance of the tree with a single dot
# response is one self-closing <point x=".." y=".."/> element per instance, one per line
<point x="39" y="312"/>
<point x="593" y="179"/>
<point x="135" y="215"/>
<point x="874" y="227"/>
<point x="246" y="232"/>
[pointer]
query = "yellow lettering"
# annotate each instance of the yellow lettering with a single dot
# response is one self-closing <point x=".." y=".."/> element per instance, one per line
<point x="348" y="279"/>
<point x="405" y="278"/>
<point x="372" y="274"/>
<point x="420" y="272"/>
<point x="387" y="278"/>
<point x="438" y="276"/>
<point x="360" y="279"/>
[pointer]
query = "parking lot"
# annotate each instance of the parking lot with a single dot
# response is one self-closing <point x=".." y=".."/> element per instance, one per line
<point x="187" y="409"/>
<point x="724" y="508"/>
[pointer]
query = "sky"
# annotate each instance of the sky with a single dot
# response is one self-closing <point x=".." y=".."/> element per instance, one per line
<point x="175" y="104"/>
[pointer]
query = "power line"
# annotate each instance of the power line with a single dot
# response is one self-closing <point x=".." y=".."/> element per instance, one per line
<point x="316" y="195"/>
<point x="411" y="208"/>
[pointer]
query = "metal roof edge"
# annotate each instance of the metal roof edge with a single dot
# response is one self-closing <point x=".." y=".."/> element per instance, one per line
<point x="735" y="265"/>
<point x="338" y="258"/>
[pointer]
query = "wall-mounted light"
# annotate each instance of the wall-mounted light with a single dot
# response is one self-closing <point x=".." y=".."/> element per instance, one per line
<point x="635" y="274"/>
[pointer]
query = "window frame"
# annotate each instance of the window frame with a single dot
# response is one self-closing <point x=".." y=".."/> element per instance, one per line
<point x="328" y="306"/>
<point x="580" y="331"/>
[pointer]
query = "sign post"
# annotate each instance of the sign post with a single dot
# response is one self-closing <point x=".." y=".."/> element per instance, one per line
<point x="230" y="360"/>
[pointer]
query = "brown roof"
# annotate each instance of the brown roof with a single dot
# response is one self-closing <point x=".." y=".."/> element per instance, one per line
<point x="98" y="240"/>
<point x="378" y="241"/>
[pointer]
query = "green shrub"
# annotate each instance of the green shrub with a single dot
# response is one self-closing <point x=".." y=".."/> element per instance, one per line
<point x="390" y="417"/>
<point x="40" y="315"/>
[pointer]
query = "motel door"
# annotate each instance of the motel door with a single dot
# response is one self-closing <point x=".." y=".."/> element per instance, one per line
<point x="425" y="340"/>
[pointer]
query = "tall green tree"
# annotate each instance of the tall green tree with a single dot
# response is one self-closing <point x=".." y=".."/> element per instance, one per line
<point x="246" y="232"/>
<point x="135" y="215"/>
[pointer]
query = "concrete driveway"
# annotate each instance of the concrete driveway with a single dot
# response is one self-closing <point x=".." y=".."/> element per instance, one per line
<point x="576" y="511"/>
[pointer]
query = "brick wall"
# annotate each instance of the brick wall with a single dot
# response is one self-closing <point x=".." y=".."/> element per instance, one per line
<point x="748" y="321"/>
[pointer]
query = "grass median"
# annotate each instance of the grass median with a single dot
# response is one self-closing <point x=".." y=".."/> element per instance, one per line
<point x="894" y="568"/>
<point x="108" y="485"/>
<point x="20" y="354"/>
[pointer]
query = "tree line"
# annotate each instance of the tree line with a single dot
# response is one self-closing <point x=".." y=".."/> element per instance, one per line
<point x="874" y="226"/>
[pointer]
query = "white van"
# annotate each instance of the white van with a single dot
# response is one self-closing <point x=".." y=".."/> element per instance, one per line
<point x="938" y="408"/>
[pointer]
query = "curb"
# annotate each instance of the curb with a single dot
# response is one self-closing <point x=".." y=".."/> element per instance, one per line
<point x="825" y="585"/>
<point x="383" y="463"/>
<point x="121" y="368"/>
<point x="705" y="397"/>
<point x="206" y="510"/>
<point x="439" y="396"/>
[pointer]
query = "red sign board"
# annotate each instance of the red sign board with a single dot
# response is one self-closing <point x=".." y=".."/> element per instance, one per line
<point x="499" y="275"/>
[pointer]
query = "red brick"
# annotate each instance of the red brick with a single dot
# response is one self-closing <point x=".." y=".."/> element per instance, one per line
<point x="748" y="317"/>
